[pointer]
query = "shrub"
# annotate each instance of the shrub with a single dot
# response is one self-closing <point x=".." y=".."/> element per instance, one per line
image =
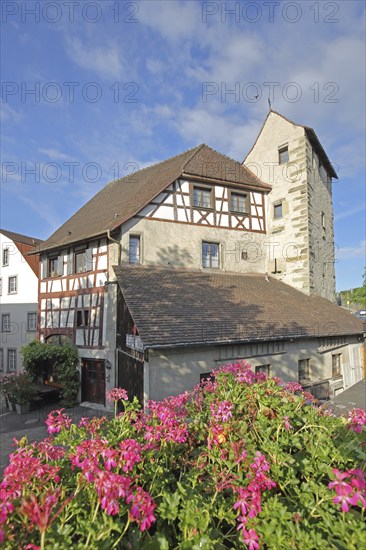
<point x="64" y="360"/>
<point x="240" y="462"/>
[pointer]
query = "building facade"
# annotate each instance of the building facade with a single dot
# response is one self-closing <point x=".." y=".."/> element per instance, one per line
<point x="18" y="297"/>
<point x="202" y="212"/>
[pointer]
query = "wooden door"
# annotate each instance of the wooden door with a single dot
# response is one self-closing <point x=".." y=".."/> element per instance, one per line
<point x="93" y="381"/>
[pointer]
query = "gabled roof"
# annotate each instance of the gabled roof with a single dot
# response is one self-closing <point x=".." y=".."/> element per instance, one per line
<point x="312" y="137"/>
<point x="122" y="199"/>
<point x="176" y="307"/>
<point x="19" y="238"/>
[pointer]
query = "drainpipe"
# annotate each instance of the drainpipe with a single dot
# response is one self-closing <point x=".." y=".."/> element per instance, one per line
<point x="119" y="246"/>
<point x="118" y="243"/>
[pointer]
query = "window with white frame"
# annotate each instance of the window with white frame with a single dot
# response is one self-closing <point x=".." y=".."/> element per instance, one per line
<point x="13" y="285"/>
<point x="5" y="322"/>
<point x="1" y="360"/>
<point x="134" y="249"/>
<point x="12" y="360"/>
<point x="31" y="322"/>
<point x="5" y="256"/>
<point x="210" y="255"/>
<point x="304" y="369"/>
<point x="336" y="365"/>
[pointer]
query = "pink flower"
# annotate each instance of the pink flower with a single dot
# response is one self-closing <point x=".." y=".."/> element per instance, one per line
<point x="350" y="492"/>
<point x="142" y="508"/>
<point x="221" y="411"/>
<point x="117" y="394"/>
<point x="293" y="387"/>
<point x="57" y="420"/>
<point x="251" y="539"/>
<point x="286" y="423"/>
<point x="357" y="419"/>
<point x="39" y="511"/>
<point x="110" y="488"/>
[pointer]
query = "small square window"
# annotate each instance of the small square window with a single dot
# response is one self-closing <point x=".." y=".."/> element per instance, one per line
<point x="239" y="202"/>
<point x="31" y="322"/>
<point x="283" y="155"/>
<point x="210" y="255"/>
<point x="202" y="197"/>
<point x="304" y="369"/>
<point x="12" y="360"/>
<point x="336" y="365"/>
<point x="12" y="285"/>
<point x="134" y="249"/>
<point x="277" y="211"/>
<point x="5" y="256"/>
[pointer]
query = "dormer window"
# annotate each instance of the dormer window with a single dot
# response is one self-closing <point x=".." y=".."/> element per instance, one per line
<point x="283" y="157"/>
<point x="202" y="197"/>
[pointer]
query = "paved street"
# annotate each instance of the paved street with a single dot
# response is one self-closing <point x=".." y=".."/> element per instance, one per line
<point x="349" y="399"/>
<point x="32" y="424"/>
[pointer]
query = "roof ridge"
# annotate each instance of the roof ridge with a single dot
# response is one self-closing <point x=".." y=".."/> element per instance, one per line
<point x="194" y="149"/>
<point x="198" y="148"/>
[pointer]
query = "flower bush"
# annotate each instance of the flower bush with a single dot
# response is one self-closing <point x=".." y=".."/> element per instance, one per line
<point x="239" y="462"/>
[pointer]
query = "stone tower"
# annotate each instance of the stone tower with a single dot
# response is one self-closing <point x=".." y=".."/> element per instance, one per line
<point x="300" y="240"/>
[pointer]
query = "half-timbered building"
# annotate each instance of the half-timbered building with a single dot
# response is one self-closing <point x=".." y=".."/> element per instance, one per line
<point x="199" y="213"/>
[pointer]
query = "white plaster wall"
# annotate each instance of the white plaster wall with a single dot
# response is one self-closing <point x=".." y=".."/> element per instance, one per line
<point x="27" y="291"/>
<point x="175" y="245"/>
<point x="173" y="371"/>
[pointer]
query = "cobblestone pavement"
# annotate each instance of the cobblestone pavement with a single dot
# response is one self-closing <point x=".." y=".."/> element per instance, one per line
<point x="32" y="425"/>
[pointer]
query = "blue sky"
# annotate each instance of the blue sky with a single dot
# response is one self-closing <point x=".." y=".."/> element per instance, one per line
<point x="93" y="90"/>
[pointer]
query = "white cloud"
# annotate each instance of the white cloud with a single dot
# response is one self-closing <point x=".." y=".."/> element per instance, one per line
<point x="106" y="61"/>
<point x="8" y="114"/>
<point x="55" y="155"/>
<point x="350" y="252"/>
<point x="350" y="212"/>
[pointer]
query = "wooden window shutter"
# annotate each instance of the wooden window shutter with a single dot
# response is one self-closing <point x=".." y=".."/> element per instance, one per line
<point x="60" y="265"/>
<point x="89" y="259"/>
<point x="44" y="264"/>
<point x="70" y="263"/>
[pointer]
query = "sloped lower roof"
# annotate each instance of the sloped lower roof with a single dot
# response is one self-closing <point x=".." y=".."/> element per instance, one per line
<point x="312" y="137"/>
<point x="19" y="238"/>
<point x="121" y="199"/>
<point x="179" y="307"/>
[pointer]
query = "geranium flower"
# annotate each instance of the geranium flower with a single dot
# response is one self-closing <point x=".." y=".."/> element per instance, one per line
<point x="250" y="539"/>
<point x="356" y="419"/>
<point x="117" y="394"/>
<point x="57" y="420"/>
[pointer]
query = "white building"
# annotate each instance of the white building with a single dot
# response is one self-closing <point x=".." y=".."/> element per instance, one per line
<point x="18" y="297"/>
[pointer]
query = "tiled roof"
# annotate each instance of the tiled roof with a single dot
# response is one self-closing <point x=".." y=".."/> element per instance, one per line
<point x="122" y="199"/>
<point x="312" y="137"/>
<point x="173" y="307"/>
<point x="19" y="238"/>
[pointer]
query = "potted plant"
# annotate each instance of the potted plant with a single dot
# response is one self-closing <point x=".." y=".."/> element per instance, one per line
<point x="23" y="390"/>
<point x="7" y="382"/>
